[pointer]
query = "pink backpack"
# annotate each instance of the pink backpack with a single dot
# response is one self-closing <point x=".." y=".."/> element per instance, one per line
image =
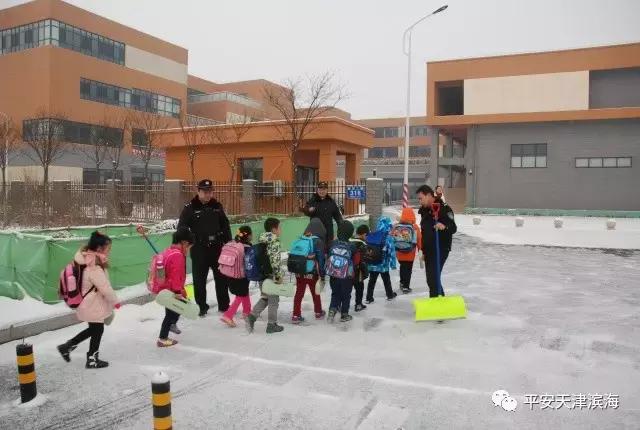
<point x="231" y="260"/>
<point x="156" y="280"/>
<point x="71" y="284"/>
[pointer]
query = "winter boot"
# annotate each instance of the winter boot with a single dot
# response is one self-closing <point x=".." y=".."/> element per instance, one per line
<point x="346" y="318"/>
<point x="94" y="362"/>
<point x="274" y="328"/>
<point x="360" y="308"/>
<point x="65" y="351"/>
<point x="250" y="322"/>
<point x="406" y="290"/>
<point x="174" y="329"/>
<point x="393" y="296"/>
<point x="297" y="319"/>
<point x="369" y="301"/>
<point x="331" y="316"/>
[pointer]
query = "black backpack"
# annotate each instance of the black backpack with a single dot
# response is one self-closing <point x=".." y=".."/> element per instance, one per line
<point x="262" y="258"/>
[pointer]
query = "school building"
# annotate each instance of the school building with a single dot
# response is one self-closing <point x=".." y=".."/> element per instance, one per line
<point x="547" y="130"/>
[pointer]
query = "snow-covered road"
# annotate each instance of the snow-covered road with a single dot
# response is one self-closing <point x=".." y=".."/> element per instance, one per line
<point x="541" y="320"/>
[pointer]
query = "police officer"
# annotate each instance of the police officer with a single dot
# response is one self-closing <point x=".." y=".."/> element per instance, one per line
<point x="206" y="219"/>
<point x="446" y="227"/>
<point x="323" y="207"/>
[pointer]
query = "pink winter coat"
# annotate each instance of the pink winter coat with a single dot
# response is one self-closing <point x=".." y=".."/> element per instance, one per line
<point x="99" y="303"/>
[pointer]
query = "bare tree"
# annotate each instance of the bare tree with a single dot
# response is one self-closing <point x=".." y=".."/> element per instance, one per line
<point x="299" y="101"/>
<point x="226" y="139"/>
<point x="192" y="138"/>
<point x="45" y="143"/>
<point x="147" y="145"/>
<point x="9" y="141"/>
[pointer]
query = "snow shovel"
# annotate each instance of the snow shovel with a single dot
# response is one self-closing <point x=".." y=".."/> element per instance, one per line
<point x="442" y="307"/>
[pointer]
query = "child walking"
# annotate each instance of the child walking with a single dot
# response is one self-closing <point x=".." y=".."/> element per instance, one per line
<point x="389" y="261"/>
<point x="343" y="257"/>
<point x="175" y="269"/>
<point x="240" y="287"/>
<point x="271" y="238"/>
<point x="361" y="270"/>
<point x="99" y="298"/>
<point x="408" y="238"/>
<point x="316" y="230"/>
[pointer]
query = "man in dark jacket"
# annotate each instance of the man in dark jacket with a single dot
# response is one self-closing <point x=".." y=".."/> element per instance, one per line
<point x="324" y="208"/>
<point x="206" y="219"/>
<point x="446" y="227"/>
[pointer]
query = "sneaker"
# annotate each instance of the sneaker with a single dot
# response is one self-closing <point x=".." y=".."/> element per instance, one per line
<point x="228" y="321"/>
<point x="393" y="296"/>
<point x="94" y="362"/>
<point x="346" y="318"/>
<point x="369" y="301"/>
<point x="274" y="328"/>
<point x="164" y="343"/>
<point x="174" y="329"/>
<point x="297" y="319"/>
<point x="65" y="351"/>
<point x="250" y="322"/>
<point x="320" y="315"/>
<point x="406" y="290"/>
<point x="332" y="316"/>
<point x="359" y="308"/>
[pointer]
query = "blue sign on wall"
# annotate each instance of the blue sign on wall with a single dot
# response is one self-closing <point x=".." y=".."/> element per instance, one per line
<point x="356" y="192"/>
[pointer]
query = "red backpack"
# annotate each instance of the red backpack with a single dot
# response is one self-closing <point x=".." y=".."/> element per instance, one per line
<point x="71" y="284"/>
<point x="156" y="279"/>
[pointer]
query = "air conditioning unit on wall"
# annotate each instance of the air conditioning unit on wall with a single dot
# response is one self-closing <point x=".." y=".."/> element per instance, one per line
<point x="274" y="188"/>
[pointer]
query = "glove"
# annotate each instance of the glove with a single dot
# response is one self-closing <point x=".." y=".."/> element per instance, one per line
<point x="117" y="306"/>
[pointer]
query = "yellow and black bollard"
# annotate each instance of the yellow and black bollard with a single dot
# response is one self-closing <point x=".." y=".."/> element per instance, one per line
<point x="26" y="372"/>
<point x="161" y="399"/>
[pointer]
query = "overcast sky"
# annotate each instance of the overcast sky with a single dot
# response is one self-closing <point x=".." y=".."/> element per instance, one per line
<point x="361" y="40"/>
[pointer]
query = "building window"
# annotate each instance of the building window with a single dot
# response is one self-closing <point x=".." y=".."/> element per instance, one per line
<point x="72" y="132"/>
<point x="129" y="98"/>
<point x="383" y="152"/>
<point x="53" y="32"/>
<point x="251" y="168"/>
<point x="139" y="138"/>
<point x="387" y="132"/>
<point x="418" y="130"/>
<point x="605" y="162"/>
<point x="529" y="156"/>
<point x="419" y="151"/>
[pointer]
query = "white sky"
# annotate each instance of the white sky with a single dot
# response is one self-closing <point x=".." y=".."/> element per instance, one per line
<point x="361" y="40"/>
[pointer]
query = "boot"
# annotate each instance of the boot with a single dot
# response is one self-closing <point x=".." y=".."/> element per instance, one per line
<point x="274" y="328"/>
<point x="65" y="351"/>
<point x="331" y="316"/>
<point x="94" y="362"/>
<point x="250" y="322"/>
<point x="360" y="308"/>
<point x="346" y="318"/>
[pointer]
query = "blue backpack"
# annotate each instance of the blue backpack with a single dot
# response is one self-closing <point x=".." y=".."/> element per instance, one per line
<point x="298" y="261"/>
<point x="405" y="237"/>
<point x="375" y="247"/>
<point x="251" y="267"/>
<point x="339" y="263"/>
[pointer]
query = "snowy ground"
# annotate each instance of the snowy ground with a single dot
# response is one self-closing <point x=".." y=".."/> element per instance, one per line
<point x="541" y="320"/>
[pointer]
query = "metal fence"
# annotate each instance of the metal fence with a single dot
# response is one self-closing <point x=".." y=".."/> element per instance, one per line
<point x="229" y="194"/>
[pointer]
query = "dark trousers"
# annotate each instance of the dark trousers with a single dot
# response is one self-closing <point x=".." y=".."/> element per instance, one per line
<point x="430" y="266"/>
<point x="386" y="279"/>
<point x="340" y="294"/>
<point x="359" y="287"/>
<point x="406" y="267"/>
<point x="204" y="258"/>
<point x="94" y="332"/>
<point x="170" y="317"/>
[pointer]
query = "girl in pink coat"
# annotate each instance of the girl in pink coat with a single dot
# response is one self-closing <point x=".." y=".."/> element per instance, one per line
<point x="99" y="298"/>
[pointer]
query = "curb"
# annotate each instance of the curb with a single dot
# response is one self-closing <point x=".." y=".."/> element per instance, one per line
<point x="33" y="328"/>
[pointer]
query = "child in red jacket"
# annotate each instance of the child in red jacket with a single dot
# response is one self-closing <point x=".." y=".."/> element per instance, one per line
<point x="175" y="269"/>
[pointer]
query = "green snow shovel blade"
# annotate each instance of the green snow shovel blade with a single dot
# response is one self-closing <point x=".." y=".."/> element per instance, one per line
<point x="441" y="307"/>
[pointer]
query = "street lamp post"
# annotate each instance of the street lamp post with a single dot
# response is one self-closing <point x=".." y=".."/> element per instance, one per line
<point x="406" y="47"/>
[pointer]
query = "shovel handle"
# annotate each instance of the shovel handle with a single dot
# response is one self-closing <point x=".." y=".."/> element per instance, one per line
<point x="142" y="232"/>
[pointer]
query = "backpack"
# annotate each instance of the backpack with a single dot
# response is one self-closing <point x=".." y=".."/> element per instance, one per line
<point x="231" y="261"/>
<point x="339" y="264"/>
<point x="405" y="237"/>
<point x="298" y="261"/>
<point x="251" y="266"/>
<point x="263" y="260"/>
<point x="71" y="284"/>
<point x="156" y="280"/>
<point x="375" y="247"/>
<point x="362" y="270"/>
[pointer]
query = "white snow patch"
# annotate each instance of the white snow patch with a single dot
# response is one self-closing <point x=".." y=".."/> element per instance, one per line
<point x="39" y="400"/>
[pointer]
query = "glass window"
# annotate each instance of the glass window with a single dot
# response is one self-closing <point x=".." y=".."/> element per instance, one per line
<point x="418" y="130"/>
<point x="582" y="162"/>
<point x="624" y="162"/>
<point x="528" y="155"/>
<point x="419" y="151"/>
<point x="251" y="168"/>
<point x="595" y="162"/>
<point x="378" y="132"/>
<point x="609" y="162"/>
<point x="516" y="161"/>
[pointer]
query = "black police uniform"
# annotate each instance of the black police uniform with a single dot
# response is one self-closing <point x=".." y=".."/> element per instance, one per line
<point x="445" y="236"/>
<point x="210" y="226"/>
<point x="326" y="210"/>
